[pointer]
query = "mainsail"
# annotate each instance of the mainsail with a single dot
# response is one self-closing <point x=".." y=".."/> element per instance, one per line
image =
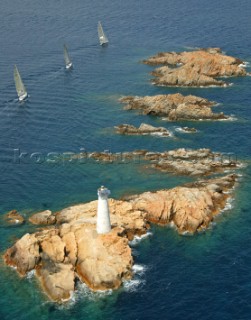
<point x="21" y="91"/>
<point x="102" y="37"/>
<point x="67" y="59"/>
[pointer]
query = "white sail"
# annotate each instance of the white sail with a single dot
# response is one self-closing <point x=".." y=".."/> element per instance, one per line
<point x="21" y="91"/>
<point x="102" y="37"/>
<point x="68" y="63"/>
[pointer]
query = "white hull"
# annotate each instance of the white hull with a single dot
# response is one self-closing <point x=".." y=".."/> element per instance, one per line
<point x="68" y="66"/>
<point x="23" y="97"/>
<point x="103" y="43"/>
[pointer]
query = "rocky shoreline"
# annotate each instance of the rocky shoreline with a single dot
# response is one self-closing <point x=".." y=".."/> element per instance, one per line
<point x="200" y="68"/>
<point x="71" y="250"/>
<point x="190" y="208"/>
<point x="174" y="107"/>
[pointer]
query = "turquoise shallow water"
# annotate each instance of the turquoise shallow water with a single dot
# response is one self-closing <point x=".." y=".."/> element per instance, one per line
<point x="202" y="277"/>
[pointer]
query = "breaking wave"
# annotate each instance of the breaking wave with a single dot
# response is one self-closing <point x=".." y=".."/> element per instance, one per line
<point x="132" y="285"/>
<point x="137" y="239"/>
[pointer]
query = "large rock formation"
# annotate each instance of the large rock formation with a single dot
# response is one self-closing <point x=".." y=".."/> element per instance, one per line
<point x="189" y="208"/>
<point x="174" y="107"/>
<point x="198" y="68"/>
<point x="103" y="260"/>
<point x="144" y="129"/>
<point x="74" y="250"/>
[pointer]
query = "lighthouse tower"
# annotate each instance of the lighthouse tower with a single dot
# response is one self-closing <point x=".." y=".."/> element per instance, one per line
<point x="103" y="215"/>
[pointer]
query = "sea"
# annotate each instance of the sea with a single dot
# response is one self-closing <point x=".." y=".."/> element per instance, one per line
<point x="205" y="276"/>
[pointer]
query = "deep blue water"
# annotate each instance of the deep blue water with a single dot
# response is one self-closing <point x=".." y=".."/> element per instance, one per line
<point x="207" y="276"/>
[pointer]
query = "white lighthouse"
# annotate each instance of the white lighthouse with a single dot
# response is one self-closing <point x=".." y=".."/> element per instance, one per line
<point x="103" y="215"/>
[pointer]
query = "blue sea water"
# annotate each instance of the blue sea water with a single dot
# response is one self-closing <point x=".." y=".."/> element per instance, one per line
<point x="207" y="276"/>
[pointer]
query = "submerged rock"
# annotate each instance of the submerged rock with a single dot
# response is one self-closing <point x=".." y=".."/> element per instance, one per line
<point x="13" y="217"/>
<point x="174" y="107"/>
<point x="144" y="129"/>
<point x="199" y="68"/>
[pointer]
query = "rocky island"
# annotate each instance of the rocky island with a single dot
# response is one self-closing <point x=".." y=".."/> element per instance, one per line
<point x="72" y="249"/>
<point x="144" y="129"/>
<point x="174" y="107"/>
<point x="198" y="162"/>
<point x="199" y="68"/>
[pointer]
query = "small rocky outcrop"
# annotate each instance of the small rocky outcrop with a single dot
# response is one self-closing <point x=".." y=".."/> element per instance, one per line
<point x="174" y="107"/>
<point x="144" y="129"/>
<point x="44" y="217"/>
<point x="13" y="218"/>
<point x="199" y="68"/>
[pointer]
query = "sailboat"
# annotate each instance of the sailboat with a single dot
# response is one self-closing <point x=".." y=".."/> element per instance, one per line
<point x="21" y="91"/>
<point x="102" y="37"/>
<point x="68" y="63"/>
